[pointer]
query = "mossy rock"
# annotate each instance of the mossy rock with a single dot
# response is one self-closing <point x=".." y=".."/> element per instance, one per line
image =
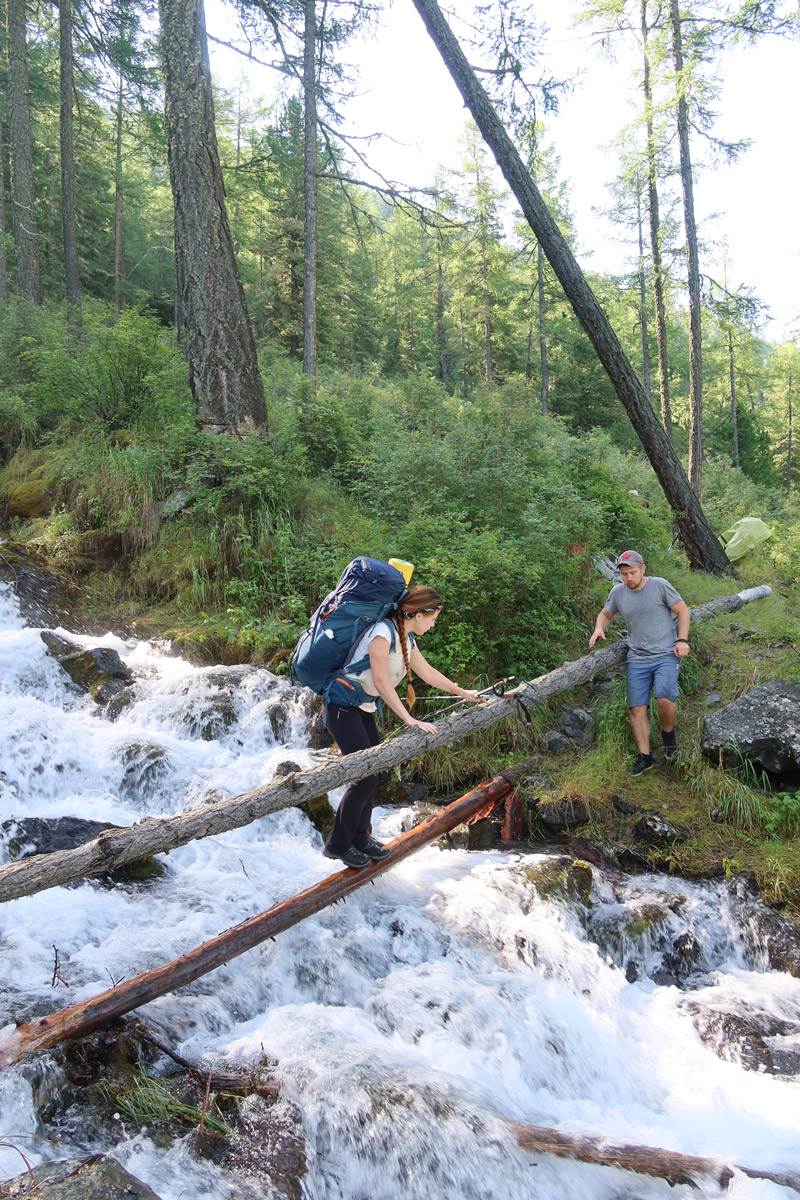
<point x="29" y="499"/>
<point x="567" y="879"/>
<point x="319" y="812"/>
<point x="645" y="917"/>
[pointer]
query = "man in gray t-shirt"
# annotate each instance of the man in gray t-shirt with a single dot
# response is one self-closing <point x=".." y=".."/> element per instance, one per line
<point x="650" y="608"/>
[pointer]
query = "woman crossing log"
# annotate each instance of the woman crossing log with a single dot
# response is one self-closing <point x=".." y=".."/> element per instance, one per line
<point x="382" y="657"/>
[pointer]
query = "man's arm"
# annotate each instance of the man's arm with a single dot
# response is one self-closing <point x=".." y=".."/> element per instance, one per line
<point x="604" y="619"/>
<point x="681" y="611"/>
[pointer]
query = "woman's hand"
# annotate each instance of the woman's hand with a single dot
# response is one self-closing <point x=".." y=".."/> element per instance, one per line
<point x="470" y="694"/>
<point x="425" y="726"/>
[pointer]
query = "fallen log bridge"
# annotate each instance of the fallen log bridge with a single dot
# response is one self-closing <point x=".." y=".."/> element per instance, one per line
<point x="81" y="1019"/>
<point x="159" y="835"/>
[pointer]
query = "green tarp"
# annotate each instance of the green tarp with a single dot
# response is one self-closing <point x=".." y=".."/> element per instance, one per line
<point x="744" y="536"/>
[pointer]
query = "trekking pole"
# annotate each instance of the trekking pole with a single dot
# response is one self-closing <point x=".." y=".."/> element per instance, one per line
<point x="496" y="689"/>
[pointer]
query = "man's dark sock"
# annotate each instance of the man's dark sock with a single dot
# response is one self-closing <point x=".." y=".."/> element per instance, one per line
<point x="668" y="738"/>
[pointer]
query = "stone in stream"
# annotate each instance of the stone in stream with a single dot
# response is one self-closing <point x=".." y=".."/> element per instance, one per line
<point x="562" y="878"/>
<point x="99" y="671"/>
<point x="58" y="646"/>
<point x="763" y="727"/>
<point x="732" y="1038"/>
<point x="27" y="836"/>
<point x="97" y="1177"/>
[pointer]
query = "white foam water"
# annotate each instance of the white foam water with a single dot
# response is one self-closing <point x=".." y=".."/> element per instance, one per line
<point x="408" y="1024"/>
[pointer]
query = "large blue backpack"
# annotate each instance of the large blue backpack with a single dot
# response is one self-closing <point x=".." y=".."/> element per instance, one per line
<point x="366" y="592"/>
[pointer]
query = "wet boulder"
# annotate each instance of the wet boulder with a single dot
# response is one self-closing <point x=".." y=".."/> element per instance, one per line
<point x="95" y="1178"/>
<point x="763" y="726"/>
<point x="59" y="647"/>
<point x="42" y="593"/>
<point x="146" y="766"/>
<point x="117" y="704"/>
<point x="562" y="878"/>
<point x="771" y="938"/>
<point x="27" y="836"/>
<point x="733" y="1039"/>
<point x="477" y="835"/>
<point x="44" y="835"/>
<point x="318" y="736"/>
<point x="655" y="830"/>
<point x="100" y="672"/>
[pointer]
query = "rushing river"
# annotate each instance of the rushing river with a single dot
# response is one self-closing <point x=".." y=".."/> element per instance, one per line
<point x="403" y="1023"/>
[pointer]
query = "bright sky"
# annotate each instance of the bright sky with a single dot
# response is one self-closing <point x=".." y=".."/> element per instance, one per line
<point x="752" y="206"/>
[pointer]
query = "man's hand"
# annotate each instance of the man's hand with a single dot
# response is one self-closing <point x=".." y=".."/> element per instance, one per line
<point x="604" y="619"/>
<point x="681" y="649"/>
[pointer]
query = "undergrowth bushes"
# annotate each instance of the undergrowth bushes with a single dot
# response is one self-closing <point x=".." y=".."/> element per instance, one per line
<point x="499" y="507"/>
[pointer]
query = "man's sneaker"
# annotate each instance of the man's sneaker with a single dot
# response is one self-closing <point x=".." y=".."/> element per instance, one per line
<point x="643" y="763"/>
<point x="350" y="857"/>
<point x="375" y="850"/>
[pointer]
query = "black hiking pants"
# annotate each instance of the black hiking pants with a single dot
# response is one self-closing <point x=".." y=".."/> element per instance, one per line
<point x="353" y="729"/>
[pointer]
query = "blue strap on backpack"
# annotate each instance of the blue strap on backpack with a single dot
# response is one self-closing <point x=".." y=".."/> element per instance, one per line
<point x="367" y="591"/>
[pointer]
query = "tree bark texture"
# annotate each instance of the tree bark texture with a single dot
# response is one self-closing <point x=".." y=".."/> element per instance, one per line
<point x="118" y="201"/>
<point x="23" y="206"/>
<point x="789" y="443"/>
<point x="220" y="349"/>
<point x="68" y="224"/>
<point x="692" y="260"/>
<point x="157" y="835"/>
<point x="487" y="311"/>
<point x="646" y="379"/>
<point x="545" y="372"/>
<point x="310" y="192"/>
<point x="702" y="547"/>
<point x="655" y="237"/>
<point x="3" y="262"/>
<point x="734" y="410"/>
<point x="80" y="1019"/>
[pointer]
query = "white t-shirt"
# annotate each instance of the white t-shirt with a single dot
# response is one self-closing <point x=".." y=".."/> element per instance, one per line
<point x="396" y="666"/>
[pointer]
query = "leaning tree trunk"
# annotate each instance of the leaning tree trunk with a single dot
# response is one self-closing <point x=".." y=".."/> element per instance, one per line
<point x="702" y="548"/>
<point x="220" y="349"/>
<point x="23" y="207"/>
<point x="68" y="224"/>
<point x="655" y="237"/>
<point x="156" y="835"/>
<point x="310" y="193"/>
<point x="692" y="261"/>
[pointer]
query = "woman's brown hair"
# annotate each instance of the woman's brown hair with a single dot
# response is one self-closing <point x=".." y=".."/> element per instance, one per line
<point x="417" y="599"/>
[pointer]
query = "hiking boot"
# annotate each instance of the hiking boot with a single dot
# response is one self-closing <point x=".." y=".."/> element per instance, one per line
<point x="643" y="763"/>
<point x="375" y="850"/>
<point x="350" y="857"/>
